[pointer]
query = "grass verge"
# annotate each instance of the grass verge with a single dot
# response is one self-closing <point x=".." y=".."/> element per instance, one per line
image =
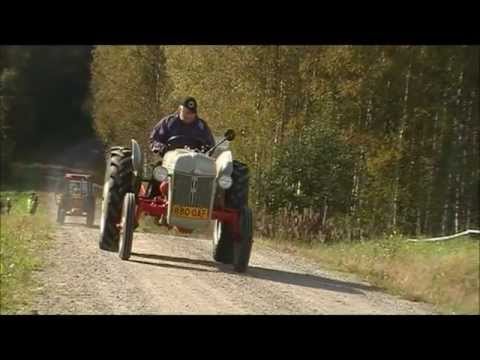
<point x="22" y="239"/>
<point x="445" y="274"/>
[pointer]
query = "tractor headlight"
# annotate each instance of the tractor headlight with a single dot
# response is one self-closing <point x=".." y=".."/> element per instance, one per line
<point x="225" y="181"/>
<point x="160" y="173"/>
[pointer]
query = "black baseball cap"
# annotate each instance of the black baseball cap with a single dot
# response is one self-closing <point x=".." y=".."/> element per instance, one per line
<point x="190" y="103"/>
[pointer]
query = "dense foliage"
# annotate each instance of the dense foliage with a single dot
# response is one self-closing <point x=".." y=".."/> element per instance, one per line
<point x="379" y="139"/>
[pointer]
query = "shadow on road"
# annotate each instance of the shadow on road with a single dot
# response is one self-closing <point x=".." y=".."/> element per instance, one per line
<point x="169" y="265"/>
<point x="73" y="224"/>
<point x="178" y="259"/>
<point x="278" y="276"/>
<point x="306" y="280"/>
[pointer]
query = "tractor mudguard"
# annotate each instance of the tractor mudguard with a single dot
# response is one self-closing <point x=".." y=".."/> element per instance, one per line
<point x="224" y="164"/>
<point x="137" y="159"/>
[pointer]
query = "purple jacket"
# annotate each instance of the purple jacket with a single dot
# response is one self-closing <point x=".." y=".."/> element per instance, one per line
<point x="171" y="125"/>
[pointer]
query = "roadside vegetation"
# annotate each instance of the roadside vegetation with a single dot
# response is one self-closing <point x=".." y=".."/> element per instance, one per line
<point x="22" y="239"/>
<point x="445" y="273"/>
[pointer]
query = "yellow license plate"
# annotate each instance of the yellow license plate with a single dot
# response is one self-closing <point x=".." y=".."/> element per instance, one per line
<point x="190" y="212"/>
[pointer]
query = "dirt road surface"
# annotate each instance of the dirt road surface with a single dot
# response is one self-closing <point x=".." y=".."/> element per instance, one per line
<point x="176" y="275"/>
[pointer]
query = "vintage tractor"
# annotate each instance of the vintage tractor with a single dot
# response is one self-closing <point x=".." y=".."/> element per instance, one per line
<point x="75" y="196"/>
<point x="188" y="189"/>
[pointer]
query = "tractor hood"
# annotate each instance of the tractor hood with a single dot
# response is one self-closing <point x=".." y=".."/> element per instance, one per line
<point x="189" y="162"/>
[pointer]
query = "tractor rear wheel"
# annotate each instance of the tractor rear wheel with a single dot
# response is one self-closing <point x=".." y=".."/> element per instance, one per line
<point x="235" y="198"/>
<point x="222" y="243"/>
<point x="118" y="181"/>
<point x="242" y="248"/>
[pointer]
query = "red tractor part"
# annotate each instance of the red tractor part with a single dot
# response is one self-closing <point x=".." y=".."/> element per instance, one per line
<point x="158" y="206"/>
<point x="164" y="188"/>
<point x="229" y="216"/>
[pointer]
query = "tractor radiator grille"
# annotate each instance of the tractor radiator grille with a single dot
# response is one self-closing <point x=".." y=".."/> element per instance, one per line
<point x="193" y="191"/>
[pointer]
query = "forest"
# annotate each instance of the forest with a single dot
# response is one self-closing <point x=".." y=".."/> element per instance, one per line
<point x="343" y="142"/>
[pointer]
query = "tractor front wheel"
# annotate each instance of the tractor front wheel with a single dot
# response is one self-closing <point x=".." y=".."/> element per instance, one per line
<point x="127" y="226"/>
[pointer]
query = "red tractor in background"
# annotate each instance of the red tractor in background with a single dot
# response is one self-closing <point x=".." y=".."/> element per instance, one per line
<point x="75" y="196"/>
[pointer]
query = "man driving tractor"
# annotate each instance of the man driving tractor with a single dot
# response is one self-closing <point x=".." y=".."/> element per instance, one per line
<point x="184" y="122"/>
<point x="187" y="188"/>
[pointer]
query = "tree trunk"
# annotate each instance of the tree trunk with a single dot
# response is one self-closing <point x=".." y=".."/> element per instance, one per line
<point x="402" y="127"/>
<point x="325" y="209"/>
<point x="446" y="207"/>
<point x="458" y="146"/>
<point x="418" y="229"/>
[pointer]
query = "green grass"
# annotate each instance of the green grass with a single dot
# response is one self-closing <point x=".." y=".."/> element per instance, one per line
<point x="445" y="274"/>
<point x="22" y="239"/>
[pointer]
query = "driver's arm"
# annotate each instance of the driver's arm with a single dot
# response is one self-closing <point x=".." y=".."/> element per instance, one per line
<point x="159" y="137"/>
<point x="210" y="140"/>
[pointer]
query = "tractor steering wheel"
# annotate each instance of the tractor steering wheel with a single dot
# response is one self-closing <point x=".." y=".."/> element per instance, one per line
<point x="180" y="141"/>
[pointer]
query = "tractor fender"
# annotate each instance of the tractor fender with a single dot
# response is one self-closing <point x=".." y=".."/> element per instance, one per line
<point x="224" y="164"/>
<point x="137" y="160"/>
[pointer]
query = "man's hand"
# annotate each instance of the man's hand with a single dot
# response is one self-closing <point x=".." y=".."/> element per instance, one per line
<point x="205" y="148"/>
<point x="156" y="149"/>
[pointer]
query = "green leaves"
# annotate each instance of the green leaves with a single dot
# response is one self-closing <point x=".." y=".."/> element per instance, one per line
<point x="387" y="134"/>
<point x="308" y="169"/>
<point x="131" y="89"/>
